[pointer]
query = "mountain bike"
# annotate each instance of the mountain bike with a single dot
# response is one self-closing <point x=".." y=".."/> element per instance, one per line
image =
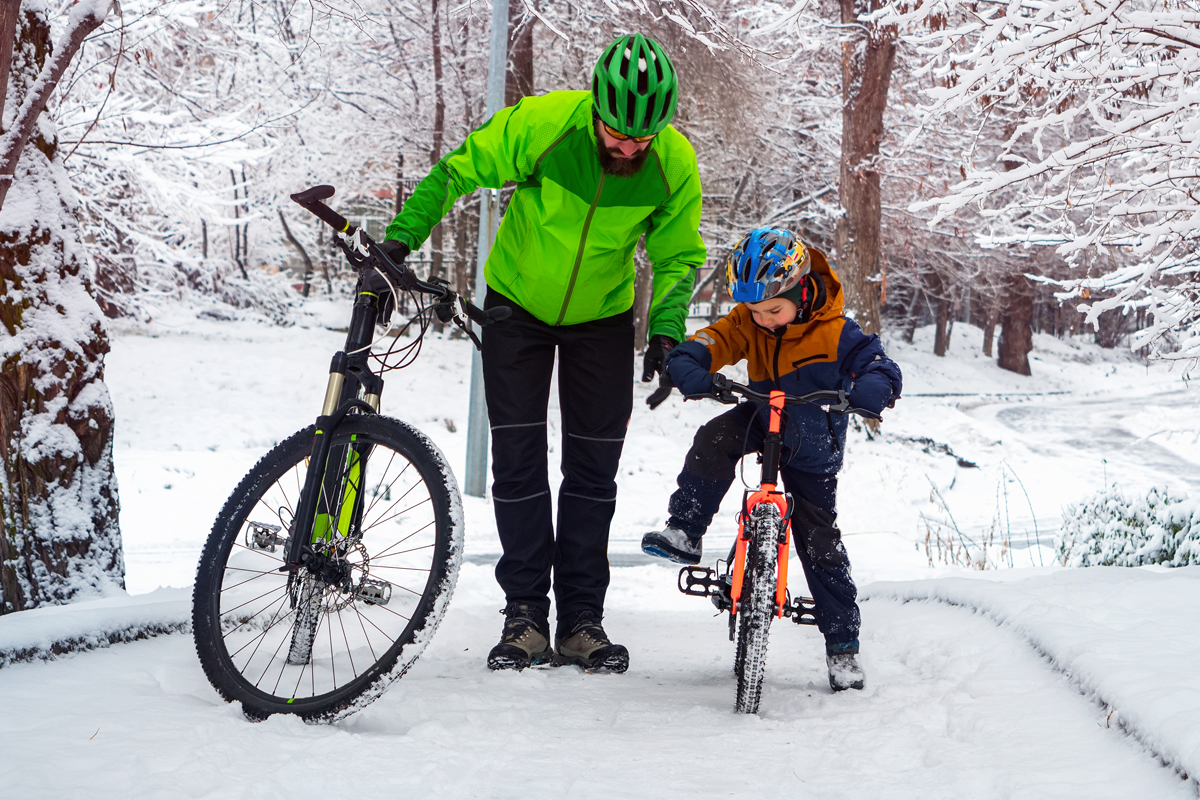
<point x="328" y="569"/>
<point x="752" y="585"/>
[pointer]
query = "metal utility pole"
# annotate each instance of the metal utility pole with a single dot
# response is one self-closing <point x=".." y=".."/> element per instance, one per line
<point x="489" y="220"/>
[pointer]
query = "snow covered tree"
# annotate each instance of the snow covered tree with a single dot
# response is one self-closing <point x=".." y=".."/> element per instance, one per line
<point x="58" y="492"/>
<point x="1100" y="157"/>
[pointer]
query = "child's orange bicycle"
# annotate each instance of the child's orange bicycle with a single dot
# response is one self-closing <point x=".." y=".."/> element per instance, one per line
<point x="752" y="586"/>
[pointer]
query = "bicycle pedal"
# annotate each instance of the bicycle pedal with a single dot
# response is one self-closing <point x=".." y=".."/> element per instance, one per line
<point x="373" y="592"/>
<point x="802" y="610"/>
<point x="260" y="536"/>
<point x="706" y="582"/>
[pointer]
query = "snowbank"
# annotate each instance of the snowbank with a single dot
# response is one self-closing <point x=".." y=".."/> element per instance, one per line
<point x="44" y="633"/>
<point x="1125" y="637"/>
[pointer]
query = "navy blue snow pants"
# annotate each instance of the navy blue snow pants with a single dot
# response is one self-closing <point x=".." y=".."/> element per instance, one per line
<point x="708" y="472"/>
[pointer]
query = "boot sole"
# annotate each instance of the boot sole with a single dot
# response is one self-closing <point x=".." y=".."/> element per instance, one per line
<point x="671" y="555"/>
<point x="614" y="659"/>
<point x="499" y="661"/>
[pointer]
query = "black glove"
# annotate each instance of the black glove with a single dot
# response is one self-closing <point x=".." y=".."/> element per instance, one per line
<point x="662" y="392"/>
<point x="395" y="249"/>
<point x="656" y="353"/>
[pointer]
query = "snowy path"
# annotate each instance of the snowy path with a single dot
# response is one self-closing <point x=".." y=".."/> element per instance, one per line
<point x="979" y="688"/>
<point x="956" y="707"/>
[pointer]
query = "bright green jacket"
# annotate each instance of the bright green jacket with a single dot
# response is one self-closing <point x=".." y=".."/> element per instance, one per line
<point x="564" y="251"/>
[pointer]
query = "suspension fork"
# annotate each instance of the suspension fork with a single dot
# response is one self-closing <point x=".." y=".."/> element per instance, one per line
<point x="348" y="372"/>
<point x="767" y="493"/>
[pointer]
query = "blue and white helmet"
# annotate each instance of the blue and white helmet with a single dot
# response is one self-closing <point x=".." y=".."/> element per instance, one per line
<point x="766" y="262"/>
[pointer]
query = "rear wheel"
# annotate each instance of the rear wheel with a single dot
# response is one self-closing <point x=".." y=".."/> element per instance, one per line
<point x="756" y="606"/>
<point x="323" y="643"/>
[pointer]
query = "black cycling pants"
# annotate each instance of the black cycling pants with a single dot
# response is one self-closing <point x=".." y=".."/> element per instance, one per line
<point x="595" y="394"/>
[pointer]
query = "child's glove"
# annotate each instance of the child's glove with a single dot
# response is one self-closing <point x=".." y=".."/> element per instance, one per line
<point x="656" y="353"/>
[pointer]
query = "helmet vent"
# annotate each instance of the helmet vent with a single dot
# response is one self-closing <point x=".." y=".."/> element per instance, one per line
<point x="631" y="110"/>
<point x="666" y="105"/>
<point x="608" y="61"/>
<point x="612" y="102"/>
<point x="643" y="82"/>
<point x="657" y="65"/>
<point x="649" y="109"/>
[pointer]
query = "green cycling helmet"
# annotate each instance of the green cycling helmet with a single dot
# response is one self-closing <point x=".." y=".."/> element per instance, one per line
<point x="634" y="86"/>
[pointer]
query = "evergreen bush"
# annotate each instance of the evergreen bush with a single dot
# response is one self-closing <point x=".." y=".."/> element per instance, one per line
<point x="1110" y="529"/>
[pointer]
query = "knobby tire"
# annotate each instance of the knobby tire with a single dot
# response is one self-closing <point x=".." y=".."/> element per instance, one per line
<point x="756" y="606"/>
<point x="304" y="646"/>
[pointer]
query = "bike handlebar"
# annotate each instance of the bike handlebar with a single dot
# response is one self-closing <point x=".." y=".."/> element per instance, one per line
<point x="833" y="400"/>
<point x="313" y="199"/>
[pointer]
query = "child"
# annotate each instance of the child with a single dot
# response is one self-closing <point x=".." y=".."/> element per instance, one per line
<point x="790" y="328"/>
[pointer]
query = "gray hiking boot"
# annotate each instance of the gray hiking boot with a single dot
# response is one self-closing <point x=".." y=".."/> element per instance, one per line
<point x="844" y="670"/>
<point x="673" y="543"/>
<point x="525" y="640"/>
<point x="582" y="641"/>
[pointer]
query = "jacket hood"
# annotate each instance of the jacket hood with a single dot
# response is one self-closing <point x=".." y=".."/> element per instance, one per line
<point x="835" y="300"/>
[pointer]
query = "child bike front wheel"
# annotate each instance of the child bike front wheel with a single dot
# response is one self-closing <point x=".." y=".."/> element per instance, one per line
<point x="326" y="638"/>
<point x="756" y="605"/>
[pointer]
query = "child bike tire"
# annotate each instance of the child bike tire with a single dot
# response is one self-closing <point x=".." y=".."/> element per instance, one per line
<point x="756" y="606"/>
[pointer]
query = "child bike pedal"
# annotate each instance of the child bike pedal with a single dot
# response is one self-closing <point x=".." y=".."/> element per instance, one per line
<point x="790" y="328"/>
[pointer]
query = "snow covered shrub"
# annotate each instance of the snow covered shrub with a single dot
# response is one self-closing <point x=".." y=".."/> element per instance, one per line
<point x="1110" y="529"/>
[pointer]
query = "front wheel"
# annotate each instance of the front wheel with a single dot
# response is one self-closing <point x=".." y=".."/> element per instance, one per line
<point x="388" y="536"/>
<point x="756" y="606"/>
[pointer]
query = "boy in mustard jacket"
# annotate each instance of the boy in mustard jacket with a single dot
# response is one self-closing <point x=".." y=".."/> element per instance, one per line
<point x="791" y="329"/>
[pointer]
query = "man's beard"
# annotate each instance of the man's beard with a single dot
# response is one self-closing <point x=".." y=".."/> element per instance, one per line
<point x="620" y="167"/>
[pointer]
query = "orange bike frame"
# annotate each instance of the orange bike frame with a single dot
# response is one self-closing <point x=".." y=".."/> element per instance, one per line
<point x="767" y="493"/>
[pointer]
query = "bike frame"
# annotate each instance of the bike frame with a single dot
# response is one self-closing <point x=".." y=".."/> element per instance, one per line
<point x="353" y="386"/>
<point x="767" y="492"/>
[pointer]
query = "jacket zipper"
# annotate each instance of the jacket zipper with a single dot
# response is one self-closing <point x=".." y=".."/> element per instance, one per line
<point x="778" y="347"/>
<point x="587" y="223"/>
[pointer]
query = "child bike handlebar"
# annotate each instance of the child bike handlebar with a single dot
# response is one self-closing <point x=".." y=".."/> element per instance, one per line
<point x="725" y="391"/>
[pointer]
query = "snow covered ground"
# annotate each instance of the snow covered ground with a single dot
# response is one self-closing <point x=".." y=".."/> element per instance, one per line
<point x="1022" y="681"/>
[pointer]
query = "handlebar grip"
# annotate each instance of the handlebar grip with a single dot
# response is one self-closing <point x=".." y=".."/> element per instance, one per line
<point x="484" y="318"/>
<point x="311" y="200"/>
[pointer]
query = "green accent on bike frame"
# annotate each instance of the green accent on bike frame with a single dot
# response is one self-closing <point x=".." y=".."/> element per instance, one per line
<point x="322" y="528"/>
<point x="291" y="700"/>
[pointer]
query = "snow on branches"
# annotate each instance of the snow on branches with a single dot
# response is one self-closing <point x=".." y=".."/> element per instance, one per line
<point x="1099" y="104"/>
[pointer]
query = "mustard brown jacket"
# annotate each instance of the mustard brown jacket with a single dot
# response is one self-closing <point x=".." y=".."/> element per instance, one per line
<point x="829" y="351"/>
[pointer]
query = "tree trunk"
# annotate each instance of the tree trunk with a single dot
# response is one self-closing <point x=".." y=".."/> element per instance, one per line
<point x="58" y="492"/>
<point x="941" y="313"/>
<point x="308" y="265"/>
<point x="33" y="90"/>
<point x="867" y="57"/>
<point x="913" y="317"/>
<point x="519" y="82"/>
<point x="1109" y="328"/>
<point x="1016" y="333"/>
<point x="989" y="329"/>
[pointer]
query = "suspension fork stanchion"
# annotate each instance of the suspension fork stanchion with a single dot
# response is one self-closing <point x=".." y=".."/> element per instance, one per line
<point x="312" y="514"/>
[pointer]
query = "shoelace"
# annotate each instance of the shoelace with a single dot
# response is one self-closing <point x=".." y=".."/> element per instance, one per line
<point x="516" y="624"/>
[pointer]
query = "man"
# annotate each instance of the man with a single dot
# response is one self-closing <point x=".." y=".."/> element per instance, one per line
<point x="594" y="171"/>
